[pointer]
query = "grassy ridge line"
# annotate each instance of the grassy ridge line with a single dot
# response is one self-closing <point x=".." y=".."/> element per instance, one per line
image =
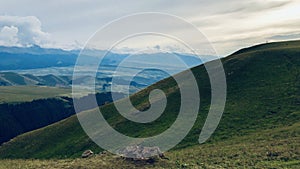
<point x="268" y="46"/>
<point x="263" y="93"/>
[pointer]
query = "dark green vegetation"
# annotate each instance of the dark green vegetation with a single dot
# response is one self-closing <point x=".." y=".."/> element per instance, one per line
<point x="24" y="109"/>
<point x="260" y="125"/>
<point x="19" y="118"/>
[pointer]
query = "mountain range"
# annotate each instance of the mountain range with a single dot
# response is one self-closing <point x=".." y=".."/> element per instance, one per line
<point x="20" y="58"/>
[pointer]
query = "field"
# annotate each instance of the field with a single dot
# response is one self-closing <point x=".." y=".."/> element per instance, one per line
<point x="15" y="94"/>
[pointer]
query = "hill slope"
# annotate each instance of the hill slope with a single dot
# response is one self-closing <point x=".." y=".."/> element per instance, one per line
<point x="272" y="148"/>
<point x="263" y="94"/>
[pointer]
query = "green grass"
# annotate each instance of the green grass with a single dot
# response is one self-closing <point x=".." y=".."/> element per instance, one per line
<point x="15" y="94"/>
<point x="272" y="148"/>
<point x="262" y="114"/>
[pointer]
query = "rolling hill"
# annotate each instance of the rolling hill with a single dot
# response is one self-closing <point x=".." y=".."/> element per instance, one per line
<point x="259" y="127"/>
<point x="16" y="79"/>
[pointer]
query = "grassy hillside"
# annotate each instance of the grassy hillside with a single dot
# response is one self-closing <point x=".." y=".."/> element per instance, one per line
<point x="262" y="110"/>
<point x="272" y="148"/>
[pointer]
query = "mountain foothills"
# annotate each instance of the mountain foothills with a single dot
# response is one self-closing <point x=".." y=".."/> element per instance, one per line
<point x="260" y="127"/>
<point x="15" y="79"/>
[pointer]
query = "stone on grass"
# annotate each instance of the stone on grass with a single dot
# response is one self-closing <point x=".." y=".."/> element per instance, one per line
<point x="87" y="153"/>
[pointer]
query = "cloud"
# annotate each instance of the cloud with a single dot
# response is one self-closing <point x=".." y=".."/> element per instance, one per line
<point x="254" y="6"/>
<point x="22" y="31"/>
<point x="156" y="47"/>
<point x="285" y="37"/>
<point x="245" y="23"/>
<point x="8" y="36"/>
<point x="228" y="24"/>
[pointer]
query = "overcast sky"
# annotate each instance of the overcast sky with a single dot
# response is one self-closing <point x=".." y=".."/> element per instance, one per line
<point x="228" y="24"/>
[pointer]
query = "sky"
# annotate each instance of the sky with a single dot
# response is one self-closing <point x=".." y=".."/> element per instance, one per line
<point x="227" y="24"/>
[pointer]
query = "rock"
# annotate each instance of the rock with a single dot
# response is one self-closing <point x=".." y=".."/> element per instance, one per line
<point x="272" y="154"/>
<point x="87" y="153"/>
<point x="162" y="156"/>
<point x="142" y="153"/>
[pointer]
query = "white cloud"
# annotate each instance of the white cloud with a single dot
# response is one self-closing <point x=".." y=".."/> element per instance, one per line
<point x="285" y="36"/>
<point x="245" y="23"/>
<point x="228" y="24"/>
<point x="22" y="31"/>
<point x="8" y="36"/>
